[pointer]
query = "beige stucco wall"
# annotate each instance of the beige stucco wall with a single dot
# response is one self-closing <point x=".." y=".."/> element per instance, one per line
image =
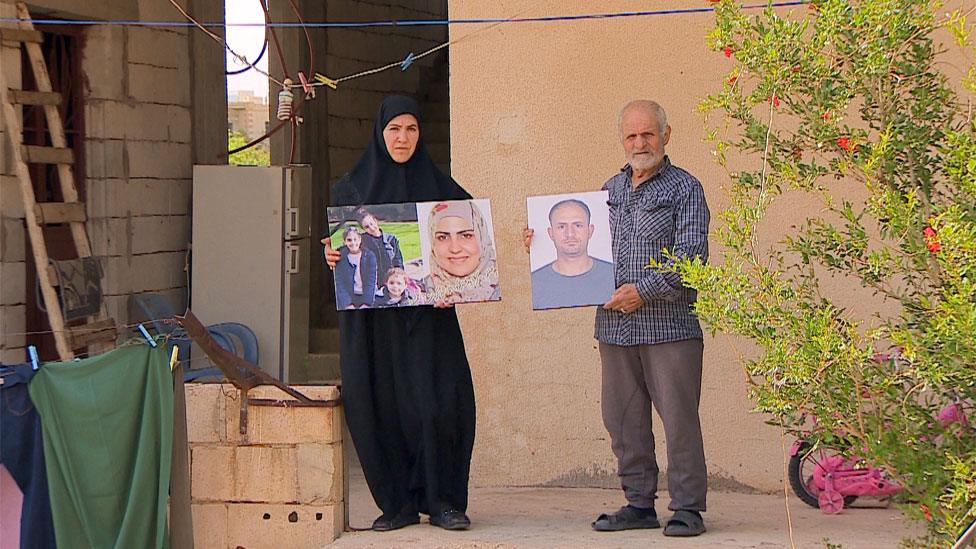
<point x="533" y="111"/>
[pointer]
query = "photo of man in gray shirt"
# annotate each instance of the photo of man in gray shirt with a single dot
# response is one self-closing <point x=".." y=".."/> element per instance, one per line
<point x="575" y="278"/>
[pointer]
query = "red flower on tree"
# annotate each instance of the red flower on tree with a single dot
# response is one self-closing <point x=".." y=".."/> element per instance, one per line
<point x="844" y="142"/>
<point x="732" y="79"/>
<point x="826" y="115"/>
<point x="931" y="239"/>
<point x="774" y="100"/>
<point x="727" y="51"/>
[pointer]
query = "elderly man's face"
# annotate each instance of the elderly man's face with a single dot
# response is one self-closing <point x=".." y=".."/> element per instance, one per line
<point x="643" y="139"/>
<point x="570" y="231"/>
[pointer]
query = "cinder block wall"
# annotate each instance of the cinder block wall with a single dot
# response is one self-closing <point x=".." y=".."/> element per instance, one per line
<point x="13" y="249"/>
<point x="280" y="486"/>
<point x="138" y="161"/>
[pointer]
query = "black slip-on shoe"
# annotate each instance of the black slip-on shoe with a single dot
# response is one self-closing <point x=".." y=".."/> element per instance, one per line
<point x="451" y="519"/>
<point x="385" y="523"/>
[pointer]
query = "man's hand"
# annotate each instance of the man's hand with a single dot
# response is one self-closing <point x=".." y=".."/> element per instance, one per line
<point x="625" y="299"/>
<point x="527" y="235"/>
<point x="331" y="256"/>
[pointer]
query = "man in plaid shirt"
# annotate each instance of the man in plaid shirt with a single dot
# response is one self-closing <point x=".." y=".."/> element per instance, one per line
<point x="650" y="341"/>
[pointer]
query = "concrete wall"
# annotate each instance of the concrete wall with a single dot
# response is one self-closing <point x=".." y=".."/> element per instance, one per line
<point x="13" y="251"/>
<point x="139" y="160"/>
<point x="533" y="111"/>
<point x="280" y="484"/>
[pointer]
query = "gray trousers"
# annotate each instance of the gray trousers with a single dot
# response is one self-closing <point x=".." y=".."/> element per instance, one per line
<point x="667" y="375"/>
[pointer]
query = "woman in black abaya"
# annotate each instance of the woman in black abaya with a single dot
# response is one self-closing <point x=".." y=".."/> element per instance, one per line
<point x="406" y="385"/>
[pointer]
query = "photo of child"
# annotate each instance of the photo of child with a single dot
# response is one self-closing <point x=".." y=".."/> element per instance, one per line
<point x="401" y="290"/>
<point x="386" y="241"/>
<point x="355" y="273"/>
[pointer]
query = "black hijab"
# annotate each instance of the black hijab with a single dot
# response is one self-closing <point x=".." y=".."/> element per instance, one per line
<point x="378" y="179"/>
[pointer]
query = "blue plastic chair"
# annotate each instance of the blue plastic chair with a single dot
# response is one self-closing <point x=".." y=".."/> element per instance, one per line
<point x="232" y="336"/>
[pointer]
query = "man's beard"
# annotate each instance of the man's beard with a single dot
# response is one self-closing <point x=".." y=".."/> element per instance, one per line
<point x="643" y="162"/>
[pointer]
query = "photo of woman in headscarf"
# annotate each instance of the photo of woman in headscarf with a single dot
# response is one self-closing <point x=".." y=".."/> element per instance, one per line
<point x="462" y="254"/>
<point x="407" y="393"/>
<point x="355" y="273"/>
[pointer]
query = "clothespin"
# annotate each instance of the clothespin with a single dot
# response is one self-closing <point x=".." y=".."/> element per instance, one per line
<point x="32" y="351"/>
<point x="407" y="61"/>
<point x="326" y="80"/>
<point x="145" y="334"/>
<point x="309" y="90"/>
<point x="173" y="356"/>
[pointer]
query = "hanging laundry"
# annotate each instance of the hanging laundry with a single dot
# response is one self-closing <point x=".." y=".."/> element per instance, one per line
<point x="108" y="439"/>
<point x="22" y="453"/>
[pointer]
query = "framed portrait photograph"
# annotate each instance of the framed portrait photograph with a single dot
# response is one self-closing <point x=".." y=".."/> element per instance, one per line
<point x="404" y="255"/>
<point x="570" y="257"/>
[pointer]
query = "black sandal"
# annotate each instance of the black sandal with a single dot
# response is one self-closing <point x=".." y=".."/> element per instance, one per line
<point x="685" y="524"/>
<point x="627" y="518"/>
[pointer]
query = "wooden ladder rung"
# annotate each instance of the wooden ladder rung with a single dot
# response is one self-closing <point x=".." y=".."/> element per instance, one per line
<point x="60" y="212"/>
<point x="34" y="154"/>
<point x="25" y="97"/>
<point x="21" y="35"/>
<point x="86" y="334"/>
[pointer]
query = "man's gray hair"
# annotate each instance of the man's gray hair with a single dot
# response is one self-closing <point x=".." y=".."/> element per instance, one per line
<point x="646" y="104"/>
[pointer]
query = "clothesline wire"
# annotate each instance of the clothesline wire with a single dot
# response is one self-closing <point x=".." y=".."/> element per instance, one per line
<point x="399" y="22"/>
<point x="82" y="329"/>
<point x="129" y="343"/>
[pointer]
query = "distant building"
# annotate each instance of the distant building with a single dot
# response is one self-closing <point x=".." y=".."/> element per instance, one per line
<point x="248" y="114"/>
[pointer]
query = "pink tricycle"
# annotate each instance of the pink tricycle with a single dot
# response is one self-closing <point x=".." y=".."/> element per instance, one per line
<point x="823" y="477"/>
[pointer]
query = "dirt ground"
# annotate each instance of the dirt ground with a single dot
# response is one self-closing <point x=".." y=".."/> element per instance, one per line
<point x="550" y="518"/>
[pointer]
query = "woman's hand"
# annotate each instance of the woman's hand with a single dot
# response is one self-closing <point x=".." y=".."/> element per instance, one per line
<point x="527" y="235"/>
<point x="445" y="303"/>
<point x="331" y="256"/>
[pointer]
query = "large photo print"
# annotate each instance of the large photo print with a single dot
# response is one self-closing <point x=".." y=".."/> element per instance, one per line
<point x="570" y="256"/>
<point x="458" y="241"/>
<point x="381" y="263"/>
<point x="402" y="255"/>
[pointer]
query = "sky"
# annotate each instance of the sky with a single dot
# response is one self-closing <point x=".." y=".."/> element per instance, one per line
<point x="247" y="42"/>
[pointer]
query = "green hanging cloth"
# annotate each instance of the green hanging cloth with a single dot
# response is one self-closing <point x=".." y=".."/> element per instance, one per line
<point x="108" y="443"/>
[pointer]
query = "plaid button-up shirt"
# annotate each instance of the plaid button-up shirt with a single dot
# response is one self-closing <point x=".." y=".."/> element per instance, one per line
<point x="667" y="211"/>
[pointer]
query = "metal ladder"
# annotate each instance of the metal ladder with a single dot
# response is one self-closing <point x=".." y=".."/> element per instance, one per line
<point x="100" y="329"/>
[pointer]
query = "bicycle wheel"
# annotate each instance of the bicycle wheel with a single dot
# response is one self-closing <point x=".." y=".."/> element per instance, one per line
<point x="801" y="469"/>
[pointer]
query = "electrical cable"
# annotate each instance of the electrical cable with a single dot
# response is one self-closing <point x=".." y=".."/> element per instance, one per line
<point x="274" y="36"/>
<point x="264" y="48"/>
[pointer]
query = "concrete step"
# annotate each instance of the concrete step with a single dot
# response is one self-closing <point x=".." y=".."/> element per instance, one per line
<point x="320" y="368"/>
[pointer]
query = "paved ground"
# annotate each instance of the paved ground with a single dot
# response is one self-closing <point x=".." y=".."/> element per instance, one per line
<point x="551" y="518"/>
